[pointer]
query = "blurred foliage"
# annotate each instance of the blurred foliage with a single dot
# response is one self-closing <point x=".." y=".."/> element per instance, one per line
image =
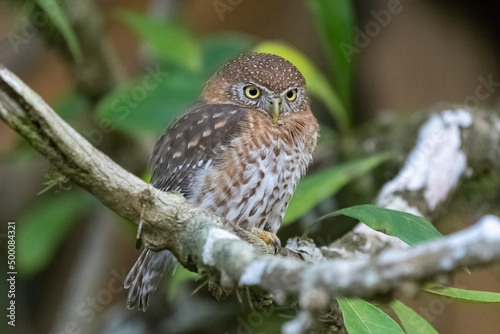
<point x="60" y="21"/>
<point x="135" y="109"/>
<point x="335" y="20"/>
<point x="171" y="41"/>
<point x="44" y="227"/>
<point x="72" y="107"/>
<point x="180" y="277"/>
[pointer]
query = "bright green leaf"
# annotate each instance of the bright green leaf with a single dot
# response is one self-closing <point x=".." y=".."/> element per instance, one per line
<point x="43" y="228"/>
<point x="361" y="317"/>
<point x="471" y="296"/>
<point x="60" y="21"/>
<point x="146" y="176"/>
<point x="171" y="41"/>
<point x="413" y="323"/>
<point x="335" y="20"/>
<point x="405" y="226"/>
<point x="317" y="84"/>
<point x="316" y="187"/>
<point x="150" y="103"/>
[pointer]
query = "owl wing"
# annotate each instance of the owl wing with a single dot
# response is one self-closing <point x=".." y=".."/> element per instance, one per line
<point x="194" y="142"/>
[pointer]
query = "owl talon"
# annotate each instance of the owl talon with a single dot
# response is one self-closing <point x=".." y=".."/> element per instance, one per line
<point x="269" y="238"/>
<point x="277" y="245"/>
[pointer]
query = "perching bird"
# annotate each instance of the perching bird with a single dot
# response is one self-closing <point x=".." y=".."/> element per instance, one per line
<point x="239" y="152"/>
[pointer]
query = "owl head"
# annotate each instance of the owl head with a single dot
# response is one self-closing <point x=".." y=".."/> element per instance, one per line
<point x="263" y="81"/>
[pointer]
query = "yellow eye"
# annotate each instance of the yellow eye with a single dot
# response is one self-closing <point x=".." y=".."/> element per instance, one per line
<point x="252" y="92"/>
<point x="291" y="95"/>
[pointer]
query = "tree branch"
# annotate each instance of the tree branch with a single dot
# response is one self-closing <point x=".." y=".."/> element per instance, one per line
<point x="206" y="243"/>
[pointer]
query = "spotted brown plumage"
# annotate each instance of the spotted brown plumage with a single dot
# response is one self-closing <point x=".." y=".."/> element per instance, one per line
<point x="239" y="152"/>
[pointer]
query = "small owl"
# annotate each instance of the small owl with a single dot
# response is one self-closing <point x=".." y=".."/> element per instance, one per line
<point x="239" y="152"/>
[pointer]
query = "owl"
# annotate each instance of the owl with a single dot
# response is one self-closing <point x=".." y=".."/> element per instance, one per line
<point x="239" y="152"/>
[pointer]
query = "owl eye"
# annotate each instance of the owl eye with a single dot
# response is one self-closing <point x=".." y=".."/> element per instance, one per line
<point x="252" y="92"/>
<point x="291" y="95"/>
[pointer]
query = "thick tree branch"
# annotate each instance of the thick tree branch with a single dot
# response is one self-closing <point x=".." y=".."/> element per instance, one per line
<point x="206" y="243"/>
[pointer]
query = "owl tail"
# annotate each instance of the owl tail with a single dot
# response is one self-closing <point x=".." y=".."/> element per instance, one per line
<point x="145" y="275"/>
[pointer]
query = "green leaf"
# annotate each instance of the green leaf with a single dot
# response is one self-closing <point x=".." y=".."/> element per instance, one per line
<point x="150" y="103"/>
<point x="43" y="228"/>
<point x="146" y="176"/>
<point x="470" y="296"/>
<point x="60" y="21"/>
<point x="316" y="83"/>
<point x="316" y="187"/>
<point x="72" y="107"/>
<point x="405" y="226"/>
<point x="361" y="317"/>
<point x="216" y="50"/>
<point x="413" y="323"/>
<point x="336" y="21"/>
<point x="180" y="276"/>
<point x="171" y="41"/>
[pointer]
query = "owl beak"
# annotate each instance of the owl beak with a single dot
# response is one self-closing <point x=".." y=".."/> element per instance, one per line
<point x="274" y="110"/>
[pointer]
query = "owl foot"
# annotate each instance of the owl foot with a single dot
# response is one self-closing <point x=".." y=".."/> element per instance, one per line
<point x="269" y="238"/>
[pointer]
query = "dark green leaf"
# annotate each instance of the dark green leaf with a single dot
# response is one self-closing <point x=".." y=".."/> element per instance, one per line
<point x="407" y="227"/>
<point x="60" y="21"/>
<point x="361" y="317"/>
<point x="149" y="104"/>
<point x="470" y="296"/>
<point x="44" y="227"/>
<point x="336" y="22"/>
<point x="317" y="84"/>
<point x="413" y="323"/>
<point x="316" y="187"/>
<point x="220" y="48"/>
<point x="72" y="107"/>
<point x="171" y="41"/>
